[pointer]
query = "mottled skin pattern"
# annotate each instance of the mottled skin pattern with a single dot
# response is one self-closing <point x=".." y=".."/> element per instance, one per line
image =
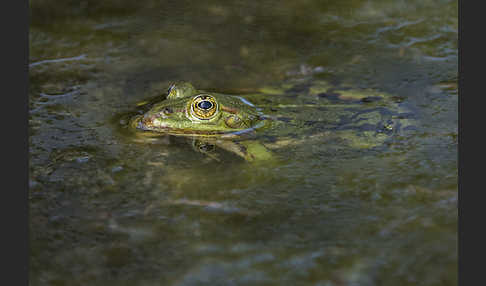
<point x="180" y="115"/>
<point x="210" y="118"/>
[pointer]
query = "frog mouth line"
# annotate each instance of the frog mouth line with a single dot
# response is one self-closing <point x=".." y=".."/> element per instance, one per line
<point x="179" y="131"/>
<point x="183" y="132"/>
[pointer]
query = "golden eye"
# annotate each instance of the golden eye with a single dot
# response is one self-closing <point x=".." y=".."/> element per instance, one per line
<point x="204" y="107"/>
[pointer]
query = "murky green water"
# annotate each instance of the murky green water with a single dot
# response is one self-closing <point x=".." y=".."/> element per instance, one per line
<point x="108" y="209"/>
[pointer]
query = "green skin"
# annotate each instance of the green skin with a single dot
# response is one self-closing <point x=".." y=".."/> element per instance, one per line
<point x="173" y="116"/>
<point x="346" y="112"/>
<point x="233" y="117"/>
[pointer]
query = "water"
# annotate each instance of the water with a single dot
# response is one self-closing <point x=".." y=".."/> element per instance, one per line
<point x="109" y="209"/>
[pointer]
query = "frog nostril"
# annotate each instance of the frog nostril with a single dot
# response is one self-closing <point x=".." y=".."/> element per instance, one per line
<point x="167" y="110"/>
<point x="205" y="104"/>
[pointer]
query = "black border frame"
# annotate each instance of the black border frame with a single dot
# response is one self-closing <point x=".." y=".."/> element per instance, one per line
<point x="15" y="146"/>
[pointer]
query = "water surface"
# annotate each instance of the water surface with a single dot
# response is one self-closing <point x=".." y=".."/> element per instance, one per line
<point x="107" y="209"/>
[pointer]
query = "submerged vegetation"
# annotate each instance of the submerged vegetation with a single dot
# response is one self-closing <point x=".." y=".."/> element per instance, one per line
<point x="361" y="100"/>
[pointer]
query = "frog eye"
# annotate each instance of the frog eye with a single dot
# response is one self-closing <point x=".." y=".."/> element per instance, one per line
<point x="204" y="107"/>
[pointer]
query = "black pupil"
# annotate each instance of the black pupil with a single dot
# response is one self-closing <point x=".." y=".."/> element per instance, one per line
<point x="205" y="104"/>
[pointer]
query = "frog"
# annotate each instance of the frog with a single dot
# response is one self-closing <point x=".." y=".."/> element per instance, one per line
<point x="210" y="119"/>
<point x="288" y="114"/>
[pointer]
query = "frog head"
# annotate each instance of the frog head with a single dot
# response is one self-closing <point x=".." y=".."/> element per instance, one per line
<point x="187" y="111"/>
